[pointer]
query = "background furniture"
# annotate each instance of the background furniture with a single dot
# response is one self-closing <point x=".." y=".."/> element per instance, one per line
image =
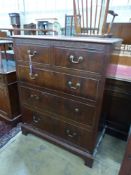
<point x="122" y="30"/>
<point x="61" y="84"/>
<point x="116" y="107"/>
<point x="3" y="35"/>
<point x="13" y="31"/>
<point x="15" y="22"/>
<point x="30" y="26"/>
<point x="93" y="15"/>
<point x="9" y="99"/>
<point x="46" y="26"/>
<point x="4" y="44"/>
<point x="69" y="25"/>
<point x="117" y="95"/>
<point x="126" y="164"/>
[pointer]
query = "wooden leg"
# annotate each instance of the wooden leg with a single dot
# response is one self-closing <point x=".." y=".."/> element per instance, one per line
<point x="87" y="157"/>
<point x="24" y="130"/>
<point x="89" y="162"/>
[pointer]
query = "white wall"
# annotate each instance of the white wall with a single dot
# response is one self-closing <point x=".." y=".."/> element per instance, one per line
<point x="37" y="9"/>
<point x="5" y="8"/>
<point x="30" y="10"/>
<point x="122" y="8"/>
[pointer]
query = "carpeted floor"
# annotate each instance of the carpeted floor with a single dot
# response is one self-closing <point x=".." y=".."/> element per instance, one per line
<point x="30" y="155"/>
<point x="7" y="132"/>
<point x="4" y="128"/>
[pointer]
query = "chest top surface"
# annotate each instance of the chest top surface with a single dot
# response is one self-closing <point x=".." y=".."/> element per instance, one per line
<point x="75" y="39"/>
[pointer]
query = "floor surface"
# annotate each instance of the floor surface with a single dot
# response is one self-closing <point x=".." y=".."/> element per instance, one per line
<point x="30" y="155"/>
<point x="4" y="128"/>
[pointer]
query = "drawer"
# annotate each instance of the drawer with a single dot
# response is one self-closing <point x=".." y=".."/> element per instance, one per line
<point x="62" y="107"/>
<point x="63" y="130"/>
<point x="118" y="86"/>
<point x="79" y="86"/>
<point x="90" y="59"/>
<point x="40" y="54"/>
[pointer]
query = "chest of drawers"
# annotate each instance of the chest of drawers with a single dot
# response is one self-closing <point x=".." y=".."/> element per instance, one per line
<point x="61" y="83"/>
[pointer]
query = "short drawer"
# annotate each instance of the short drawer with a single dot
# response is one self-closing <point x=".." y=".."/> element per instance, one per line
<point x="79" y="86"/>
<point x="91" y="59"/>
<point x="63" y="130"/>
<point x="38" y="53"/>
<point x="57" y="105"/>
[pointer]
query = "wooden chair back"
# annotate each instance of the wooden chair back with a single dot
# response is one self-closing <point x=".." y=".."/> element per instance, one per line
<point x="93" y="16"/>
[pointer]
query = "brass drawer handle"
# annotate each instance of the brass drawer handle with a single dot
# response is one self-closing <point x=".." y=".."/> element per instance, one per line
<point x="36" y="97"/>
<point x="33" y="53"/>
<point x="71" y="134"/>
<point x="75" y="60"/>
<point x="36" y="119"/>
<point x="70" y="84"/>
<point x="77" y="110"/>
<point x="33" y="76"/>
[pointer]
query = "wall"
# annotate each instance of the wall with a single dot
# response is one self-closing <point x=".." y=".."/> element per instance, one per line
<point x="30" y="10"/>
<point x="122" y="8"/>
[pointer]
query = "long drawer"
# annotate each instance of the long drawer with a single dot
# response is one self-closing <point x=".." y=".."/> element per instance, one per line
<point x="63" y="107"/>
<point x="80" y="86"/>
<point x="89" y="59"/>
<point x="63" y="130"/>
<point x="38" y="53"/>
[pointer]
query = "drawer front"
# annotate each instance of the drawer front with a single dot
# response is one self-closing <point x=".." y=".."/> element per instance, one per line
<point x="62" y="129"/>
<point x="80" y="86"/>
<point x="62" y="107"/>
<point x="118" y="86"/>
<point x="39" y="54"/>
<point x="89" y="59"/>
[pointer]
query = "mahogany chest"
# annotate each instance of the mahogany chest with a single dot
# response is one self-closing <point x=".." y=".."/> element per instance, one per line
<point x="61" y="84"/>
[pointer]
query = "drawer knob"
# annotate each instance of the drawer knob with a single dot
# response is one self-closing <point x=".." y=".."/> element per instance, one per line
<point x="76" y="110"/>
<point x="71" y="134"/>
<point x="77" y="85"/>
<point x="75" y="60"/>
<point x="36" y="97"/>
<point x="33" y="76"/>
<point x="33" y="53"/>
<point x="36" y="119"/>
<point x="31" y="96"/>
